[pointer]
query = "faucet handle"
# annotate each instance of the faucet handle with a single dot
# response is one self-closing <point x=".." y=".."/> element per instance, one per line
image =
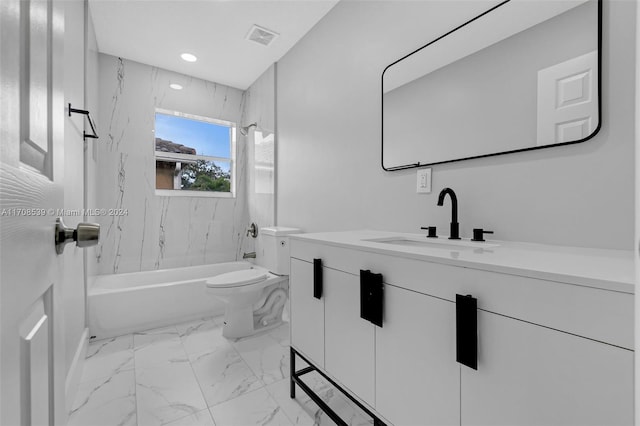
<point x="478" y="234"/>
<point x="252" y="231"/>
<point x="431" y="231"/>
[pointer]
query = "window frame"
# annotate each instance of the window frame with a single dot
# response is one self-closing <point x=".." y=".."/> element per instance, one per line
<point x="174" y="156"/>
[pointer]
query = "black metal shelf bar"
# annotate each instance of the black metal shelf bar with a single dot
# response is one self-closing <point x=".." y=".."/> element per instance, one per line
<point x="305" y="371"/>
<point x="296" y="380"/>
<point x="85" y="135"/>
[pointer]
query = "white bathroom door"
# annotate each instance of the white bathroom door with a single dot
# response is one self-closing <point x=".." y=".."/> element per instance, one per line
<point x="568" y="100"/>
<point x="32" y="365"/>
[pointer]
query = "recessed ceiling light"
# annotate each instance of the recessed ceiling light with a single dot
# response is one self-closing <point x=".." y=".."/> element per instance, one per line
<point x="189" y="57"/>
<point x="175" y="86"/>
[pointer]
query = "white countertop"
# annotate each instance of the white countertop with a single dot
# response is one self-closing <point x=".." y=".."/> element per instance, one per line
<point x="601" y="268"/>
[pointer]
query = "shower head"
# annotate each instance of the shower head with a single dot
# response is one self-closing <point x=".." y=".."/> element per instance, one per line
<point x="245" y="130"/>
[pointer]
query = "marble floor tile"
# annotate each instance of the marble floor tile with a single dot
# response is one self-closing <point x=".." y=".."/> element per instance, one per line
<point x="160" y="353"/>
<point x="145" y="338"/>
<point x="158" y="348"/>
<point x="223" y="375"/>
<point x="201" y="337"/>
<point x="201" y="418"/>
<point x="253" y="408"/>
<point x="267" y="355"/>
<point x="189" y="375"/>
<point x="107" y="401"/>
<point x="107" y="357"/>
<point x="167" y="393"/>
<point x="189" y="327"/>
<point x="282" y="333"/>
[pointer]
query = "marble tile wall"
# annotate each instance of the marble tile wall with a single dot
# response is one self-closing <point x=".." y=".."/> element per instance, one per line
<point x="157" y="232"/>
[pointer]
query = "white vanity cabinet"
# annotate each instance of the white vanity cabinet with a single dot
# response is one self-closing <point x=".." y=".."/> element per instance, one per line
<point x="328" y="329"/>
<point x="548" y="352"/>
<point x="307" y="331"/>
<point x="532" y="375"/>
<point x="349" y="339"/>
<point x="417" y="378"/>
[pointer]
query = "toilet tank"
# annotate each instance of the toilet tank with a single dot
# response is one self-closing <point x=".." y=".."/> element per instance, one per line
<point x="276" y="248"/>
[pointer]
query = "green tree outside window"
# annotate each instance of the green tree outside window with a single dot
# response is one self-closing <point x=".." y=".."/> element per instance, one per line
<point x="205" y="176"/>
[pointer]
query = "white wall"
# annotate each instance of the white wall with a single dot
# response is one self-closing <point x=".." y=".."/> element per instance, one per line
<point x="159" y="232"/>
<point x="329" y="174"/>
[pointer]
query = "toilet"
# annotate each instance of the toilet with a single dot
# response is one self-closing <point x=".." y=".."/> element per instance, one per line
<point x="242" y="290"/>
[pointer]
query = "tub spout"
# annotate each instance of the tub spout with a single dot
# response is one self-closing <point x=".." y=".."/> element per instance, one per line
<point x="250" y="255"/>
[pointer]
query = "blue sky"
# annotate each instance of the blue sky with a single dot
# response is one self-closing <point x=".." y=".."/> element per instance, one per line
<point x="207" y="138"/>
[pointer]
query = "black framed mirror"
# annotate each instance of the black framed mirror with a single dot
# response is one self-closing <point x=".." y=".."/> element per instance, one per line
<point x="520" y="76"/>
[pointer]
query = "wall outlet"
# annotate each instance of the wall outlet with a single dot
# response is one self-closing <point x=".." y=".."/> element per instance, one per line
<point x="424" y="181"/>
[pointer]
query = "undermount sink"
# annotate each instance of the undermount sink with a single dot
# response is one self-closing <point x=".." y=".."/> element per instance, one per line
<point x="443" y="244"/>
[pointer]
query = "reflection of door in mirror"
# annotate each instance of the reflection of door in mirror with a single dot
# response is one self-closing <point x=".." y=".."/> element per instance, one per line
<point x="567" y="100"/>
<point x="523" y="76"/>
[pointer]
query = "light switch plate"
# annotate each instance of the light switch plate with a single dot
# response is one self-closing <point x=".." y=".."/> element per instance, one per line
<point x="423" y="185"/>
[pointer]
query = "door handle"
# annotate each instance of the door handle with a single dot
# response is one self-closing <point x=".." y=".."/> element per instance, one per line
<point x="85" y="235"/>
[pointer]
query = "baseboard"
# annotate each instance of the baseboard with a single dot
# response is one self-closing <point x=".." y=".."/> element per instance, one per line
<point x="75" y="371"/>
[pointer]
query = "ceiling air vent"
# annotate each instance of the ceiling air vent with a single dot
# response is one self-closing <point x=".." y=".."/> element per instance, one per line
<point x="261" y="35"/>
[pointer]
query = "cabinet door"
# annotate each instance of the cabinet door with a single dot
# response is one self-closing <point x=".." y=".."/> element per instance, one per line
<point x="349" y="339"/>
<point x="307" y="313"/>
<point x="532" y="375"/>
<point x="417" y="377"/>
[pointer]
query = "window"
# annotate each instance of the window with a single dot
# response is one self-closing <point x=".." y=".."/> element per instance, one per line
<point x="194" y="155"/>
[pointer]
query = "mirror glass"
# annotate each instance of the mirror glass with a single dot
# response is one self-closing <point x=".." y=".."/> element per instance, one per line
<point x="523" y="75"/>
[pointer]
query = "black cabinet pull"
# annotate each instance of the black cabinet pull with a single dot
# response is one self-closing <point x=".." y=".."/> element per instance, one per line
<point x="317" y="278"/>
<point x="365" y="295"/>
<point x="467" y="331"/>
<point x="371" y="297"/>
<point x="377" y="299"/>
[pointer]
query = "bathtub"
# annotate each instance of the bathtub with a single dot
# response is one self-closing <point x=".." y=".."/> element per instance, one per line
<point x="124" y="303"/>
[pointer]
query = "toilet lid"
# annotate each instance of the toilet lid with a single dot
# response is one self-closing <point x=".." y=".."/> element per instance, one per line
<point x="237" y="278"/>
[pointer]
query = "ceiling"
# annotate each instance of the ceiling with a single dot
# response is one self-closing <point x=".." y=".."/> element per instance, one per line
<point x="157" y="32"/>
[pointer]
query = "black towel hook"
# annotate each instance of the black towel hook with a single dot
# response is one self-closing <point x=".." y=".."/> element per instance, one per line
<point x="85" y="135"/>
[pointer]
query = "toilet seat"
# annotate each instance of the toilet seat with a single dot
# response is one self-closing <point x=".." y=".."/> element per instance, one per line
<point x="237" y="278"/>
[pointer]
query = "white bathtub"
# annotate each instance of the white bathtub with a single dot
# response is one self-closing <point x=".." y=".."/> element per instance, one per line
<point x="124" y="303"/>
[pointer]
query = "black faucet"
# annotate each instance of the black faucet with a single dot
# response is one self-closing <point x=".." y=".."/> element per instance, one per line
<point x="455" y="226"/>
